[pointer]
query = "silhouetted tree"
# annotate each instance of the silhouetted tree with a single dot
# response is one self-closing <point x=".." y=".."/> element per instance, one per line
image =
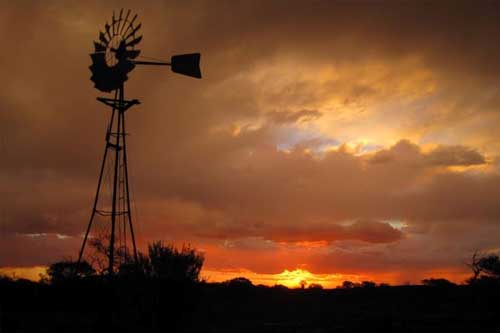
<point x="474" y="266"/>
<point x="67" y="270"/>
<point x="368" y="284"/>
<point x="280" y="287"/>
<point x="348" y="285"/>
<point x="239" y="282"/>
<point x="485" y="268"/>
<point x="315" y="286"/>
<point x="437" y="283"/>
<point x="167" y="262"/>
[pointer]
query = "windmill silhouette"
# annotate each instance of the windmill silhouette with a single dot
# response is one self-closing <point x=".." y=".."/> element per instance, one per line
<point x="114" y="57"/>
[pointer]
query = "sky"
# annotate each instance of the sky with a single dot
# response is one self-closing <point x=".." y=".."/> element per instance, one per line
<point x="327" y="140"/>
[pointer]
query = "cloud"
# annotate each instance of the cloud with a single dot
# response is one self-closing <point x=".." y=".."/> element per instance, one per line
<point x="455" y="155"/>
<point x="406" y="152"/>
<point x="367" y="231"/>
<point x="35" y="249"/>
<point x="284" y="117"/>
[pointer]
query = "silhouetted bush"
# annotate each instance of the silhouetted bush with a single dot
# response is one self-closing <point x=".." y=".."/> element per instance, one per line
<point x="163" y="262"/>
<point x="280" y="287"/>
<point x="368" y="284"/>
<point x="130" y="268"/>
<point x="239" y="282"/>
<point x="442" y="283"/>
<point x="315" y="286"/>
<point x="169" y="263"/>
<point x="364" y="284"/>
<point x="348" y="285"/>
<point x="68" y="270"/>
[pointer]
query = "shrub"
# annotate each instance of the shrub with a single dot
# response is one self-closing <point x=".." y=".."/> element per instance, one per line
<point x="69" y="270"/>
<point x="169" y="263"/>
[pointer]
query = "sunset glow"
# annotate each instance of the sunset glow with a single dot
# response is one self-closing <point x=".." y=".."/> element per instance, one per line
<point x="290" y="279"/>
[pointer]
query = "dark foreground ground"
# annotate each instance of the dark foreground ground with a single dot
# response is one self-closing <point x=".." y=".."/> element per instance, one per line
<point x="154" y="306"/>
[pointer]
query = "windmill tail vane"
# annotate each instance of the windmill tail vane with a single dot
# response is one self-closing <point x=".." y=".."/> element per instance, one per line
<point x="110" y="228"/>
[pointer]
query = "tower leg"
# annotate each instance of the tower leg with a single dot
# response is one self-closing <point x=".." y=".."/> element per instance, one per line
<point x="127" y="193"/>
<point x="94" y="208"/>
<point x="96" y="200"/>
<point x="115" y="184"/>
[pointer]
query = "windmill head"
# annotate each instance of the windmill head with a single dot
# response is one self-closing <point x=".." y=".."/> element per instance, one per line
<point x="115" y="54"/>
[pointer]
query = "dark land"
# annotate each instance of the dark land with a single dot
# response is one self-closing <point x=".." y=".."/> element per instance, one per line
<point x="148" y="305"/>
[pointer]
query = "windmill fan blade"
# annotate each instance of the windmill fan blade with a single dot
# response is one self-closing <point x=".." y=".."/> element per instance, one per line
<point x="99" y="47"/>
<point x="119" y="21"/>
<point x="134" y="42"/>
<point x="113" y="23"/>
<point x="131" y="24"/>
<point x="102" y="38"/>
<point x="107" y="30"/>
<point x="125" y="21"/>
<point x="133" y="31"/>
<point x="187" y="64"/>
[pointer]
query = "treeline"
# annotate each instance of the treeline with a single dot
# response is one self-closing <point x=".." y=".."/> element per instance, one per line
<point x="164" y="292"/>
<point x="169" y="263"/>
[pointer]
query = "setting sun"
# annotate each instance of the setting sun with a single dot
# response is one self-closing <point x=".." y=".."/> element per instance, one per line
<point x="299" y="277"/>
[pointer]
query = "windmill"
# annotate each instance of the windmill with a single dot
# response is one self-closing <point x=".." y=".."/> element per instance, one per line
<point x="115" y="56"/>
